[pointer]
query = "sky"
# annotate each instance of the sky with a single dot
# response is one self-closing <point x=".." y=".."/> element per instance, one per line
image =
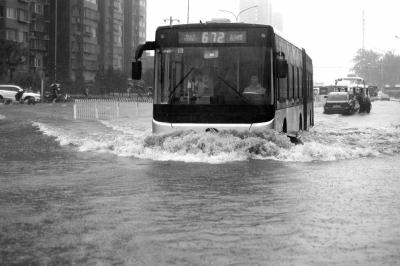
<point x="330" y="31"/>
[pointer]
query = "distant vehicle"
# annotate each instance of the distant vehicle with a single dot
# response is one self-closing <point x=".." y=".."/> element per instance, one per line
<point x="8" y="93"/>
<point x="356" y="87"/>
<point x="325" y="90"/>
<point x="384" y="97"/>
<point x="54" y="94"/>
<point x="373" y="91"/>
<point x="341" y="103"/>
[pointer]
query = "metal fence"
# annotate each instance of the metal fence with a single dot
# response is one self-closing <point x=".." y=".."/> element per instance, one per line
<point x="107" y="108"/>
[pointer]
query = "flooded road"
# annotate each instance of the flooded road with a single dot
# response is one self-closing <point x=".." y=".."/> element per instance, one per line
<point x="101" y="193"/>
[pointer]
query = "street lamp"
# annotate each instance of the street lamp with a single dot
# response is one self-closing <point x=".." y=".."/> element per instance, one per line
<point x="171" y="20"/>
<point x="240" y="12"/>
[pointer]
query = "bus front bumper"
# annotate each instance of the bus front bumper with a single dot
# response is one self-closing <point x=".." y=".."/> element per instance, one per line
<point x="163" y="127"/>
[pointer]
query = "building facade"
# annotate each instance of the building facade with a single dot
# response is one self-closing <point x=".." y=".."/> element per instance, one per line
<point x="134" y="29"/>
<point x="111" y="34"/>
<point x="74" y="47"/>
<point x="69" y="41"/>
<point x="27" y="23"/>
<point x="263" y="13"/>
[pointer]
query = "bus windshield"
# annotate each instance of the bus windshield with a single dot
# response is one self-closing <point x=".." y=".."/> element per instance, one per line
<point x="213" y="75"/>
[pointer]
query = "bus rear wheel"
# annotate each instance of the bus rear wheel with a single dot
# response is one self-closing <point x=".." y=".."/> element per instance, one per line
<point x="284" y="126"/>
<point x="300" y="123"/>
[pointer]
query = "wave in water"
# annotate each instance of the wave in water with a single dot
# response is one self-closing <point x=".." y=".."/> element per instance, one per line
<point x="226" y="146"/>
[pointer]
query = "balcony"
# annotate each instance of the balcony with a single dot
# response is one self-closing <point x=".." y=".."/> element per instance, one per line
<point x="23" y="20"/>
<point x="36" y="16"/>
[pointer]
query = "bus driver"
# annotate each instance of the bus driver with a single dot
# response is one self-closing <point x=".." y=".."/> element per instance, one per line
<point x="254" y="87"/>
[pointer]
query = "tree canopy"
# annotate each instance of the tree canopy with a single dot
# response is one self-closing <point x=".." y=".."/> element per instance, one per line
<point x="12" y="54"/>
<point x="377" y="68"/>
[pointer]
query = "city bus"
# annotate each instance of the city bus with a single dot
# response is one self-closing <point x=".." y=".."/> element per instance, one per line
<point x="228" y="76"/>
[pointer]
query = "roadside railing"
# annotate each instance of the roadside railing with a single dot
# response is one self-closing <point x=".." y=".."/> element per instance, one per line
<point x="106" y="108"/>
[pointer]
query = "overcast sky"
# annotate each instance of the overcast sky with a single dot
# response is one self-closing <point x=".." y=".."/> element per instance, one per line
<point x="330" y="31"/>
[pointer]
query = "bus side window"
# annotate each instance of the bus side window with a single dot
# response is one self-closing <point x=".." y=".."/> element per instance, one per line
<point x="282" y="88"/>
<point x="289" y="81"/>
<point x="291" y="87"/>
<point x="300" y="83"/>
<point x="296" y="83"/>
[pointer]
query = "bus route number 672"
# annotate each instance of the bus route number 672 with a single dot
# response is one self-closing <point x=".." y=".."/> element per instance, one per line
<point x="213" y="37"/>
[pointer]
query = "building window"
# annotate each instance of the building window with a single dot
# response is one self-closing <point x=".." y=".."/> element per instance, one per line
<point x="92" y="1"/>
<point x="36" y="62"/>
<point x="37" y="44"/>
<point x="90" y="48"/>
<point x="91" y="14"/>
<point x="22" y="36"/>
<point x="117" y="62"/>
<point x="117" y="38"/>
<point x="38" y="26"/>
<point x="38" y="8"/>
<point x="12" y="13"/>
<point x="141" y="21"/>
<point x="118" y="5"/>
<point x="23" y="15"/>
<point x="11" y="35"/>
<point x="1" y="12"/>
<point x="118" y="28"/>
<point x="142" y="3"/>
<point x="90" y="31"/>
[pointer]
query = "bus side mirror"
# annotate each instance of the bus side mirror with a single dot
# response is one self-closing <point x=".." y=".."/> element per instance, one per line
<point x="137" y="70"/>
<point x="282" y="68"/>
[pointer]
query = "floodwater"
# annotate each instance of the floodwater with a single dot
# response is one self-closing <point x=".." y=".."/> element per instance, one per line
<point x="110" y="193"/>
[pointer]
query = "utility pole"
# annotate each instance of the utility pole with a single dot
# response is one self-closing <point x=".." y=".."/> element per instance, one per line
<point x="171" y="20"/>
<point x="188" y="12"/>
<point x="363" y="30"/>
<point x="55" y="41"/>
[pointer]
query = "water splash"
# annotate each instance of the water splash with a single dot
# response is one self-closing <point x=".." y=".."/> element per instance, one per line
<point x="320" y="144"/>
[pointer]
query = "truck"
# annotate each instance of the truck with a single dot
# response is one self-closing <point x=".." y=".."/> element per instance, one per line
<point x="356" y="87"/>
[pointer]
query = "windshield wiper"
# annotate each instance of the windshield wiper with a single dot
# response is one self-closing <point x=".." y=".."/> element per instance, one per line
<point x="233" y="89"/>
<point x="177" y="85"/>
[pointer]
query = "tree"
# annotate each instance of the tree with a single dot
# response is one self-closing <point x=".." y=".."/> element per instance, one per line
<point x="376" y="68"/>
<point x="368" y="66"/>
<point x="26" y="80"/>
<point x="12" y="55"/>
<point x="391" y="69"/>
<point x="111" y="80"/>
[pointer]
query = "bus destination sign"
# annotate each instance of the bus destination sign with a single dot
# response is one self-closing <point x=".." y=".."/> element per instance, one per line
<point x="194" y="37"/>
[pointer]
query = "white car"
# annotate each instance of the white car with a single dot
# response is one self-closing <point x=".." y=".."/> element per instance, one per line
<point x="7" y="92"/>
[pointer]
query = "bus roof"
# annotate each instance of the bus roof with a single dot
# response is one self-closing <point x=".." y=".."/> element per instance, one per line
<point x="213" y="25"/>
<point x="226" y="25"/>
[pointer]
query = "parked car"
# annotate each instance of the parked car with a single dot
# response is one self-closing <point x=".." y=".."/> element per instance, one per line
<point x="8" y="93"/>
<point x="341" y="103"/>
<point x="384" y="97"/>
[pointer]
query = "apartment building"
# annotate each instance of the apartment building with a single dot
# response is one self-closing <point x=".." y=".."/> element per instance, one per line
<point x="134" y="29"/>
<point x="71" y="40"/>
<point x="111" y="34"/>
<point x="262" y="13"/>
<point x="74" y="48"/>
<point x="27" y="22"/>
